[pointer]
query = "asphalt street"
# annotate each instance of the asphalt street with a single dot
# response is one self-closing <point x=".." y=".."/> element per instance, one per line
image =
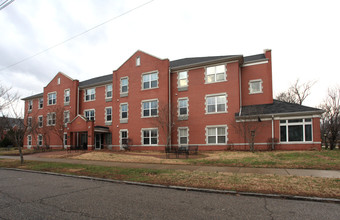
<point x="25" y="195"/>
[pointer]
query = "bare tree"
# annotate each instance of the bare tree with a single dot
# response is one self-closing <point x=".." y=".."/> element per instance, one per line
<point x="297" y="93"/>
<point x="331" y="117"/>
<point x="59" y="125"/>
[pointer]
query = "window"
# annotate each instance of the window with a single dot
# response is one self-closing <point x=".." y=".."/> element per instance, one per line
<point x="137" y="61"/>
<point x="217" y="135"/>
<point x="89" y="114"/>
<point x="29" y="122"/>
<point x="40" y="121"/>
<point x="183" y="107"/>
<point x="90" y="94"/>
<point x="215" y="74"/>
<point x="216" y="103"/>
<point x="150" y="136"/>
<point x="296" y="130"/>
<point x="255" y="86"/>
<point x="51" y="118"/>
<point x="52" y="98"/>
<point x="29" y="140"/>
<point x="150" y="108"/>
<point x="40" y="140"/>
<point x="108" y="139"/>
<point x="65" y="139"/>
<point x="183" y="79"/>
<point x="123" y="111"/>
<point x="150" y="80"/>
<point x="67" y="96"/>
<point x="66" y="117"/>
<point x="124" y="85"/>
<point x="59" y="81"/>
<point x="108" y="90"/>
<point x="183" y="136"/>
<point x="123" y="137"/>
<point x="41" y="103"/>
<point x="30" y="105"/>
<point x="108" y="114"/>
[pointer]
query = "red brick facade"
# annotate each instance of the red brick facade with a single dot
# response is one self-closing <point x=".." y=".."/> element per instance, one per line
<point x="206" y="100"/>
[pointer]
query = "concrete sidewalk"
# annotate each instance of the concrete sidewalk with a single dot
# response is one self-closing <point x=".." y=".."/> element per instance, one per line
<point x="236" y="170"/>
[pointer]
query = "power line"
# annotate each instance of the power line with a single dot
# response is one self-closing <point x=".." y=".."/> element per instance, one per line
<point x="75" y="36"/>
<point x="5" y="3"/>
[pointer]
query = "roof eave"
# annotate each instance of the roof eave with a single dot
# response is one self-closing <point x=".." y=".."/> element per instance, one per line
<point x="96" y="84"/>
<point x="285" y="114"/>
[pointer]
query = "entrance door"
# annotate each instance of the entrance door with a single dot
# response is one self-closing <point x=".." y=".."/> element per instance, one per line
<point x="83" y="141"/>
<point x="98" y="142"/>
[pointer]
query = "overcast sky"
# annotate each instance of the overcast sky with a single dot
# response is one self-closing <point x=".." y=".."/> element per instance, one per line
<point x="303" y="35"/>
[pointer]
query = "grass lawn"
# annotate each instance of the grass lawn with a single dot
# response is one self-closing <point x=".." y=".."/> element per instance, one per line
<point x="288" y="185"/>
<point x="15" y="151"/>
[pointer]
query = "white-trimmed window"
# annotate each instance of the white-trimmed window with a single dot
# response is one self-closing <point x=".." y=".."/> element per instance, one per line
<point x="58" y="80"/>
<point x="67" y="96"/>
<point x="216" y="103"/>
<point x="40" y="140"/>
<point x="66" y="117"/>
<point x="90" y="94"/>
<point x="150" y="80"/>
<point x="29" y="140"/>
<point x="124" y="85"/>
<point x="183" y="107"/>
<point x="30" y="105"/>
<point x="108" y="89"/>
<point x="40" y="121"/>
<point x="137" y="61"/>
<point x="89" y="114"/>
<point x="183" y="136"/>
<point x="108" y="138"/>
<point x="182" y="79"/>
<point x="150" y="108"/>
<point x="124" y="111"/>
<point x="51" y="119"/>
<point x="41" y="103"/>
<point x="65" y="139"/>
<point x="215" y="74"/>
<point x="296" y="130"/>
<point x="124" y="136"/>
<point x="108" y="114"/>
<point x="255" y="86"/>
<point x="216" y="134"/>
<point x="51" y="98"/>
<point x="150" y="136"/>
<point x="29" y="122"/>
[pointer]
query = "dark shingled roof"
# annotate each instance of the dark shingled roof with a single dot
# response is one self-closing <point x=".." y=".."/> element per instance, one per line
<point x="277" y="107"/>
<point x="195" y="60"/>
<point x="253" y="58"/>
<point x="33" y="96"/>
<point x="96" y="80"/>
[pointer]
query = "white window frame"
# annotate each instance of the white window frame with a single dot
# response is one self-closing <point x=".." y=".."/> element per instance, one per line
<point x="48" y="98"/>
<point x="29" y="122"/>
<point x="215" y="73"/>
<point x="121" y="137"/>
<point x="29" y="140"/>
<point x="65" y="139"/>
<point x="150" y="81"/>
<point x="58" y="81"/>
<point x="149" y="130"/>
<point x="216" y="127"/>
<point x="179" y="107"/>
<point x="40" y="122"/>
<point x="121" y="111"/>
<point x="49" y="119"/>
<point x="108" y="91"/>
<point x="286" y="124"/>
<point x="216" y="104"/>
<point x="38" y="140"/>
<point x="150" y="108"/>
<point x="106" y="115"/>
<point x="179" y="135"/>
<point x="179" y="79"/>
<point x="138" y="61"/>
<point x="90" y="110"/>
<point x="251" y="82"/>
<point x="66" y="117"/>
<point x="40" y="103"/>
<point x="89" y="95"/>
<point x="67" y="96"/>
<point x="127" y="85"/>
<point x="30" y="105"/>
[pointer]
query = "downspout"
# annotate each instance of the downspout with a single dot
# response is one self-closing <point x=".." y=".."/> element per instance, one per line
<point x="272" y="132"/>
<point x="169" y="126"/>
<point x="78" y="101"/>
<point x="240" y="77"/>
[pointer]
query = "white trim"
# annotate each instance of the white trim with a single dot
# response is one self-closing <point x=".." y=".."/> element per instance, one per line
<point x="42" y="121"/>
<point x="138" y="61"/>
<point x="214" y="95"/>
<point x="120" y="136"/>
<point x="123" y="120"/>
<point x="42" y="139"/>
<point x="105" y="114"/>
<point x="29" y="137"/>
<point x="120" y="85"/>
<point x="178" y="108"/>
<point x="178" y="79"/>
<point x="90" y="95"/>
<point x="255" y="81"/>
<point x="147" y="73"/>
<point x="42" y="103"/>
<point x="56" y="95"/>
<point x="255" y="63"/>
<point x="50" y="115"/>
<point x="286" y="124"/>
<point x="216" y="126"/>
<point x="106" y="97"/>
<point x="94" y="116"/>
<point x="149" y="100"/>
<point x="142" y="136"/>
<point x="69" y="97"/>
<point x="215" y="81"/>
<point x="68" y="121"/>
<point x="179" y="136"/>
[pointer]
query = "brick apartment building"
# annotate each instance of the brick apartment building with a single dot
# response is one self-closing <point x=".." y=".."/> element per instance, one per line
<point x="217" y="103"/>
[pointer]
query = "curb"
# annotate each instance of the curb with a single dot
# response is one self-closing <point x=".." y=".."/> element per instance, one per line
<point x="183" y="188"/>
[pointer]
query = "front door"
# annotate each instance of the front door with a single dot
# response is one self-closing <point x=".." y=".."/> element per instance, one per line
<point x="98" y="142"/>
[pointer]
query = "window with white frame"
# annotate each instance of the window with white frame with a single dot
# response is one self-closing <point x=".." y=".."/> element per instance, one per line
<point x="40" y="121"/>
<point x="108" y="114"/>
<point x="137" y="61"/>
<point x="108" y="90"/>
<point x="123" y="137"/>
<point x="255" y="86"/>
<point x="216" y="135"/>
<point x="183" y="107"/>
<point x="67" y="96"/>
<point x="89" y="114"/>
<point x="59" y="81"/>
<point x="124" y="85"/>
<point x="296" y="130"/>
<point x="65" y="139"/>
<point x="40" y="140"/>
<point x="108" y="138"/>
<point x="29" y="122"/>
<point x="150" y="80"/>
<point x="150" y="136"/>
<point x="150" y="108"/>
<point x="30" y="105"/>
<point x="41" y="103"/>
<point x="29" y="140"/>
<point x="90" y="94"/>
<point x="66" y="117"/>
<point x="183" y="136"/>
<point x="216" y="103"/>
<point x="215" y="74"/>
<point x="124" y="111"/>
<point x="52" y="98"/>
<point x="51" y="119"/>
<point x="183" y="79"/>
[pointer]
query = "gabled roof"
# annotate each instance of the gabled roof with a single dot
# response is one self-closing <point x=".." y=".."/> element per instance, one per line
<point x="96" y="80"/>
<point x="33" y="96"/>
<point x="197" y="60"/>
<point x="278" y="108"/>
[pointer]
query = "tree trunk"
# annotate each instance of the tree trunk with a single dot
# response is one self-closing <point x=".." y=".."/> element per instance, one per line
<point x="21" y="155"/>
